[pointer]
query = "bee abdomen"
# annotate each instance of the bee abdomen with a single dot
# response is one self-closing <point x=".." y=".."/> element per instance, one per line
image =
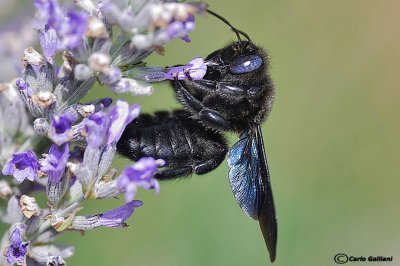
<point x="175" y="138"/>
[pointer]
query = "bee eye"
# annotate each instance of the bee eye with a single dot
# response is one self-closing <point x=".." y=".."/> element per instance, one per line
<point x="246" y="64"/>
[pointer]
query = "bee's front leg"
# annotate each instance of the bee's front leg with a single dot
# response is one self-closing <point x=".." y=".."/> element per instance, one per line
<point x="206" y="115"/>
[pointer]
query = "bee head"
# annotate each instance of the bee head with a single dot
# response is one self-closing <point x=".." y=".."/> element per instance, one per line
<point x="237" y="58"/>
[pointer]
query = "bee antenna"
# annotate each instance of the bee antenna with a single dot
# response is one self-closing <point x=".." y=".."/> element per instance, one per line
<point x="235" y="30"/>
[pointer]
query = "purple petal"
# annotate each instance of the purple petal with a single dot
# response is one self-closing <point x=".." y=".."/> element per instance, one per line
<point x="120" y="116"/>
<point x="118" y="216"/>
<point x="21" y="84"/>
<point x="196" y="69"/>
<point x="186" y="38"/>
<point x="48" y="41"/>
<point x="22" y="166"/>
<point x="141" y="174"/>
<point x="55" y="162"/>
<point x="16" y="251"/>
<point x="70" y="27"/>
<point x="96" y="127"/>
<point x="73" y="29"/>
<point x="60" y="127"/>
<point x="15" y="237"/>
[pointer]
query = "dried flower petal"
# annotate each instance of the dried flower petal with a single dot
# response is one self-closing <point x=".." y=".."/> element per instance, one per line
<point x="32" y="57"/>
<point x="29" y="207"/>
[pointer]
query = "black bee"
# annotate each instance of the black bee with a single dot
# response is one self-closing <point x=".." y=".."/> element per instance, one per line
<point x="236" y="94"/>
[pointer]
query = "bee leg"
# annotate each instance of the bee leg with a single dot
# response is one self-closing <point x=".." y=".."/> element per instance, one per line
<point x="173" y="173"/>
<point x="198" y="109"/>
<point x="187" y="74"/>
<point x="210" y="164"/>
<point x="223" y="88"/>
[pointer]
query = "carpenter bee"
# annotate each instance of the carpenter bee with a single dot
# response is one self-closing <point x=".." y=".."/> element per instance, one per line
<point x="236" y="94"/>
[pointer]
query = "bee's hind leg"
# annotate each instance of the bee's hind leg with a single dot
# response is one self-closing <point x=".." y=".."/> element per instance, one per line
<point x="173" y="173"/>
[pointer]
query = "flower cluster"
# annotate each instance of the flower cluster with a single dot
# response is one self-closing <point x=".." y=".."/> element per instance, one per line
<point x="64" y="147"/>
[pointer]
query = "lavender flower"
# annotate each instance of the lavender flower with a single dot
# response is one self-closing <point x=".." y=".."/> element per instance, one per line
<point x="120" y="115"/>
<point x="55" y="162"/>
<point x="139" y="175"/>
<point x="103" y="130"/>
<point x="60" y="129"/>
<point x="16" y="251"/>
<point x="72" y="31"/>
<point x="22" y="166"/>
<point x="195" y="69"/>
<point x="108" y="128"/>
<point x="70" y="27"/>
<point x="100" y="41"/>
<point x="96" y="127"/>
<point x="48" y="42"/>
<point x="112" y="218"/>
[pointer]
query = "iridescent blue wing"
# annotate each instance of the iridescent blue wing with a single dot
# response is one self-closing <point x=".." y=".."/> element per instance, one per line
<point x="250" y="183"/>
<point x="243" y="174"/>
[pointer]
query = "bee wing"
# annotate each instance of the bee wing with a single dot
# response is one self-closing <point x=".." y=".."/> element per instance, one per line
<point x="266" y="210"/>
<point x="249" y="180"/>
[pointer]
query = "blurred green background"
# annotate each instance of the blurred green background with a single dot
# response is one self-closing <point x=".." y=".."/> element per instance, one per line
<point x="332" y="142"/>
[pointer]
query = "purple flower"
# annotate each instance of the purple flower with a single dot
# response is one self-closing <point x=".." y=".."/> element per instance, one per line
<point x="72" y="30"/>
<point x="118" y="216"/>
<point x="50" y="12"/>
<point x="21" y="84"/>
<point x="70" y="27"/>
<point x="112" y="218"/>
<point x="16" y="252"/>
<point x="96" y="127"/>
<point x="189" y="25"/>
<point x="196" y="69"/>
<point x="54" y="163"/>
<point x="139" y="175"/>
<point x="60" y="129"/>
<point x="22" y="166"/>
<point x="120" y="116"/>
<point x="48" y="41"/>
<point x="106" y="102"/>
